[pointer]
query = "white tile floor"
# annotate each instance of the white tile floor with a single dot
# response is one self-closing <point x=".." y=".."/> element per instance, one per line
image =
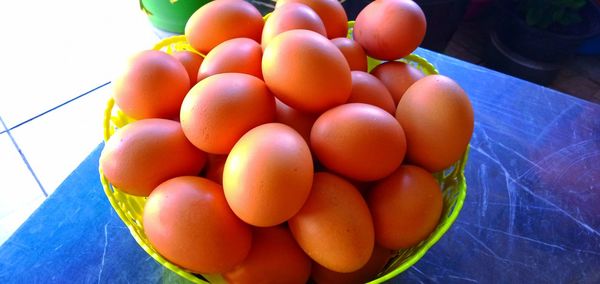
<point x="69" y="134"/>
<point x="57" y="58"/>
<point x="19" y="192"/>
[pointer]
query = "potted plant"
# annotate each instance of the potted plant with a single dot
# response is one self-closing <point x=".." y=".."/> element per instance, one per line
<point x="530" y="38"/>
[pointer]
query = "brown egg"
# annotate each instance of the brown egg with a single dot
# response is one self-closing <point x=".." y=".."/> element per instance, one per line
<point x="151" y="85"/>
<point x="367" y="89"/>
<point x="220" y="20"/>
<point x="334" y="227"/>
<point x="223" y="107"/>
<point x="397" y="77"/>
<point x="437" y="117"/>
<point x="300" y="121"/>
<point x="238" y="55"/>
<point x="390" y="29"/>
<point x="191" y="61"/>
<point x="359" y="141"/>
<point x="291" y="16"/>
<point x="147" y="152"/>
<point x="275" y="257"/>
<point x="379" y="258"/>
<point x="354" y="53"/>
<point x="406" y="207"/>
<point x="187" y="220"/>
<point x="214" y="168"/>
<point x="330" y="11"/>
<point x="306" y="71"/>
<point x="268" y="175"/>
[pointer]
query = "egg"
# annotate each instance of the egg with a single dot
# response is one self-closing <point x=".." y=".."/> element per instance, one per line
<point x="268" y="175"/>
<point x="191" y="61"/>
<point x="397" y="77"/>
<point x="291" y="16"/>
<point x="187" y="220"/>
<point x="438" y="120"/>
<point x="334" y="227"/>
<point x="221" y="108"/>
<point x="353" y="52"/>
<point x="406" y="207"/>
<point x="214" y="168"/>
<point x="376" y="263"/>
<point x="330" y="11"/>
<point x="275" y="257"/>
<point x="306" y="71"/>
<point x="300" y="121"/>
<point x="220" y="20"/>
<point x="390" y="29"/>
<point x="152" y="84"/>
<point x="238" y="55"/>
<point x="367" y="89"/>
<point x="359" y="141"/>
<point x="147" y="152"/>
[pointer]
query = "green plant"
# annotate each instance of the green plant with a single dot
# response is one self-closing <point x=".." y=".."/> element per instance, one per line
<point x="544" y="13"/>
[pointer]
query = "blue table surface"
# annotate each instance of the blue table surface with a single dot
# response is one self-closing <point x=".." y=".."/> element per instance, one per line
<point x="532" y="212"/>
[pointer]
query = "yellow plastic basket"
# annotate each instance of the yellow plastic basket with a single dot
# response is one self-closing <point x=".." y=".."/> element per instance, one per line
<point x="130" y="208"/>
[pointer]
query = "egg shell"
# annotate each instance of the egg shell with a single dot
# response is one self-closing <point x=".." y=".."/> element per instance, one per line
<point x="220" y="20"/>
<point x="291" y="16"/>
<point x="359" y="141"/>
<point x="223" y="107"/>
<point x="152" y="84"/>
<point x="397" y="77"/>
<point x="275" y="257"/>
<point x="353" y="52"/>
<point x="238" y="55"/>
<point x="306" y="71"/>
<point x="145" y="153"/>
<point x="390" y="29"/>
<point x="302" y="122"/>
<point x="268" y="175"/>
<point x="367" y="89"/>
<point x="438" y="120"/>
<point x="191" y="61"/>
<point x="334" y="227"/>
<point x="376" y="263"/>
<point x="406" y="207"/>
<point x="331" y="12"/>
<point x="214" y="168"/>
<point x="187" y="220"/>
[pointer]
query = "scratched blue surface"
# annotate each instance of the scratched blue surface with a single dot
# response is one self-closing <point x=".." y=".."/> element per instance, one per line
<point x="532" y="212"/>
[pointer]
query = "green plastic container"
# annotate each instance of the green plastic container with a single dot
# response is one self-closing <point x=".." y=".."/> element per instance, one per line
<point x="170" y="15"/>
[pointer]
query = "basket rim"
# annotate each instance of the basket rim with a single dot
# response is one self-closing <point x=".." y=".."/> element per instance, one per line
<point x="458" y="173"/>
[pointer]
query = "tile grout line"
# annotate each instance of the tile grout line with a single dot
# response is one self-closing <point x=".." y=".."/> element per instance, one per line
<point x="55" y="107"/>
<point x="37" y="180"/>
<point x="5" y="129"/>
